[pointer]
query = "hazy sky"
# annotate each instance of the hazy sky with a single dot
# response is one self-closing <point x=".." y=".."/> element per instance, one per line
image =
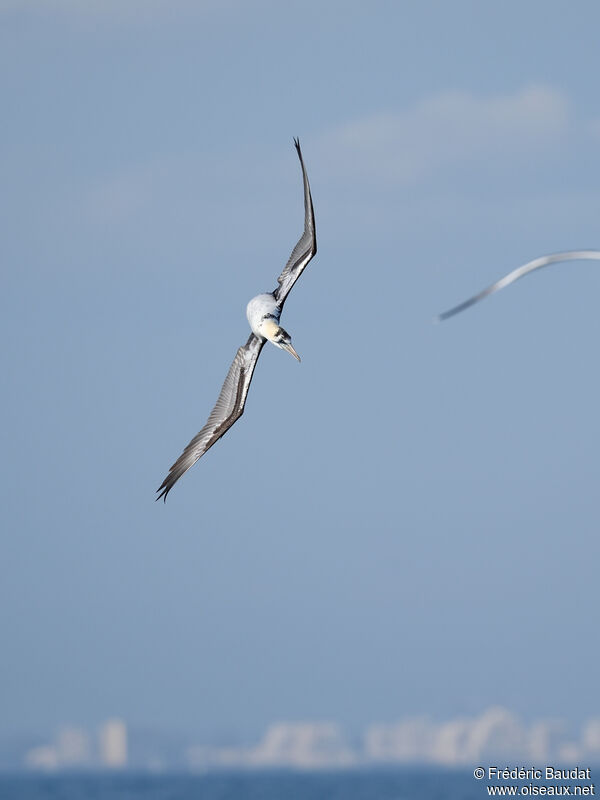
<point x="404" y="523"/>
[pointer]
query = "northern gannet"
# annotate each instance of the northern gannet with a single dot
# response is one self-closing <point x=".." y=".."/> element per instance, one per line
<point x="263" y="313"/>
<point x="537" y="263"/>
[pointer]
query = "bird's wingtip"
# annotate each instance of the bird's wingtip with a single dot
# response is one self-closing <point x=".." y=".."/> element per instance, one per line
<point x="162" y="492"/>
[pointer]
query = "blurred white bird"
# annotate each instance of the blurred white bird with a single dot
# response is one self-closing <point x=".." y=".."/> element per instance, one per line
<point x="537" y="263"/>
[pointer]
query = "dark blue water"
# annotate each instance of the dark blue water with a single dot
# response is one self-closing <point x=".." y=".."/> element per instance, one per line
<point x="408" y="784"/>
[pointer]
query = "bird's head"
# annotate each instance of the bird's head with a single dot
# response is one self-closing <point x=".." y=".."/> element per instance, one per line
<point x="279" y="337"/>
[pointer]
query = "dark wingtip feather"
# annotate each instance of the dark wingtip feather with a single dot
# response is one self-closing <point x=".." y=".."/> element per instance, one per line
<point x="164" y="490"/>
<point x="466" y="304"/>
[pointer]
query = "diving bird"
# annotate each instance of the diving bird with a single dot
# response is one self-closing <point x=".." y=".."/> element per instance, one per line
<point x="537" y="263"/>
<point x="263" y="313"/>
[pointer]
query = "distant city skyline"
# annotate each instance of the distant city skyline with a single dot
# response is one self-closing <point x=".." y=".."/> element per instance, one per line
<point x="495" y="735"/>
<point x="76" y="748"/>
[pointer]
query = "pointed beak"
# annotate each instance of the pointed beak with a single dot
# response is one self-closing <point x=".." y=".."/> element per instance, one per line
<point x="291" y="350"/>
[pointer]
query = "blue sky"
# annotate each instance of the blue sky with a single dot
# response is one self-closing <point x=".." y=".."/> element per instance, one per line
<point x="404" y="523"/>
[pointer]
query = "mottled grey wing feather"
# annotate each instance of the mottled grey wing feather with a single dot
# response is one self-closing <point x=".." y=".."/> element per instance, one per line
<point x="537" y="263"/>
<point x="306" y="247"/>
<point x="228" y="408"/>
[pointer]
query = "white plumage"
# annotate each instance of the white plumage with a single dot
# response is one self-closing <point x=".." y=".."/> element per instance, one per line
<point x="537" y="263"/>
<point x="261" y="308"/>
<point x="263" y="313"/>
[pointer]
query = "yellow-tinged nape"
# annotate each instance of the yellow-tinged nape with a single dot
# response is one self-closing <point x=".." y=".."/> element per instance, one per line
<point x="269" y="328"/>
<point x="277" y="336"/>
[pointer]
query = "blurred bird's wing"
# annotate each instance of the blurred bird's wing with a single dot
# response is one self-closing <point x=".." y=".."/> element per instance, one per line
<point x="306" y="247"/>
<point x="537" y="263"/>
<point x="228" y="408"/>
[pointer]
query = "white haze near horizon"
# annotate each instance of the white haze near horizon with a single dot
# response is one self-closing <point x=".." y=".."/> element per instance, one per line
<point x="403" y="524"/>
<point x="495" y="736"/>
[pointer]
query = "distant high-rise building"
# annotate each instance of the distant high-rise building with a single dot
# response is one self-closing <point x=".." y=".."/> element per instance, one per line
<point x="73" y="747"/>
<point x="70" y="750"/>
<point x="308" y="745"/>
<point x="591" y="738"/>
<point x="113" y="744"/>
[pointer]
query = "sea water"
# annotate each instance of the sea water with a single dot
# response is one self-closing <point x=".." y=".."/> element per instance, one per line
<point x="405" y="784"/>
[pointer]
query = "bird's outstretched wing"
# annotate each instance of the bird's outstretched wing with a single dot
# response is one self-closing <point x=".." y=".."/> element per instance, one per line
<point x="228" y="408"/>
<point x="537" y="263"/>
<point x="306" y="247"/>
